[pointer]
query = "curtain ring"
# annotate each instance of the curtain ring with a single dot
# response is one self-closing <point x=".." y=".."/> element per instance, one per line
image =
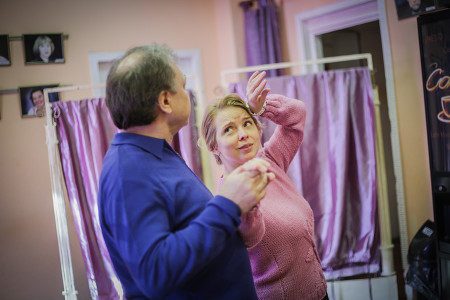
<point x="56" y="113"/>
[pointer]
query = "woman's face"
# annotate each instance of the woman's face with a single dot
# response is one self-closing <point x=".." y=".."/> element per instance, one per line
<point x="38" y="99"/>
<point x="237" y="136"/>
<point x="414" y="4"/>
<point x="45" y="50"/>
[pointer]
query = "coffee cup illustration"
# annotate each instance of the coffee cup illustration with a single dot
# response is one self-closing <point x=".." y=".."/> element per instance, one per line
<point x="444" y="115"/>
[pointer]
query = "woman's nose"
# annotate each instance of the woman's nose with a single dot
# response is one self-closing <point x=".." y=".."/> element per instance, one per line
<point x="242" y="134"/>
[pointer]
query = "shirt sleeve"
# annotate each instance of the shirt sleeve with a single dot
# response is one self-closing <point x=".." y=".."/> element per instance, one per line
<point x="290" y="116"/>
<point x="159" y="256"/>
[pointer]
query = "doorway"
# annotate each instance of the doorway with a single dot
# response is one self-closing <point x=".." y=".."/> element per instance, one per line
<point x="366" y="38"/>
<point x="360" y="26"/>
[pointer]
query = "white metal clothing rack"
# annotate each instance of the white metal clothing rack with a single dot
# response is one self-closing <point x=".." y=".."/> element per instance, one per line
<point x="58" y="185"/>
<point x="386" y="247"/>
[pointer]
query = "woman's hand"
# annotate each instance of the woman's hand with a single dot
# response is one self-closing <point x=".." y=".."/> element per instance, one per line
<point x="246" y="185"/>
<point x="257" y="91"/>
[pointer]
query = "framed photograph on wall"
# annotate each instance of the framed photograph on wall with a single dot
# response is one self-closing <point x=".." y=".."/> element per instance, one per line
<point x="411" y="8"/>
<point x="5" y="59"/>
<point x="43" y="48"/>
<point x="442" y="3"/>
<point x="32" y="99"/>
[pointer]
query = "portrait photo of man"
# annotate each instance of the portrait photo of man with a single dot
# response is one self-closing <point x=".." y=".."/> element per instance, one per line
<point x="32" y="100"/>
<point x="410" y="8"/>
<point x="43" y="48"/>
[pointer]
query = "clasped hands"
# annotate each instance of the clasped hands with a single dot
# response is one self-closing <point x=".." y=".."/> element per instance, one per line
<point x="246" y="185"/>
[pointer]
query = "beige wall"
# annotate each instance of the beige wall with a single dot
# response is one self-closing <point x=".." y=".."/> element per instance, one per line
<point x="411" y="119"/>
<point x="29" y="259"/>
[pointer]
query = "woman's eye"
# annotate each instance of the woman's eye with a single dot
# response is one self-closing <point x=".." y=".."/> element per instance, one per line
<point x="247" y="123"/>
<point x="227" y="130"/>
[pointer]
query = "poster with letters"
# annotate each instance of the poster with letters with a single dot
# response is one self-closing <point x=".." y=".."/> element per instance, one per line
<point x="434" y="38"/>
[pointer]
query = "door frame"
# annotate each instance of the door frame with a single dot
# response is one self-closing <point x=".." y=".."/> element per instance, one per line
<point x="310" y="24"/>
<point x="188" y="60"/>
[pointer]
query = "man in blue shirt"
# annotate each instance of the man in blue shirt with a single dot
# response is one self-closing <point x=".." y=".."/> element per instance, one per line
<point x="167" y="236"/>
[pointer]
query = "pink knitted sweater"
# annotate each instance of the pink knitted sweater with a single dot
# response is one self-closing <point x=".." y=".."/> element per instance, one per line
<point x="279" y="232"/>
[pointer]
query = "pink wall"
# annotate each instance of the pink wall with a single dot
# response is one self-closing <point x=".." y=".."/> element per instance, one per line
<point x="29" y="256"/>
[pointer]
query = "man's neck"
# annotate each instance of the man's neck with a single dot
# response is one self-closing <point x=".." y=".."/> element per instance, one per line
<point x="156" y="129"/>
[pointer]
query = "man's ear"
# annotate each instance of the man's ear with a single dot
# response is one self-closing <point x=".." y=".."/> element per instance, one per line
<point x="164" y="102"/>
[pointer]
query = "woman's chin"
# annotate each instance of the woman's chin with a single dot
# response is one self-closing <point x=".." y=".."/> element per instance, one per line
<point x="250" y="155"/>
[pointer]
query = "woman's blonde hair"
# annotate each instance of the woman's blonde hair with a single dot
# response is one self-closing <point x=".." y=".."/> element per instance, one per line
<point x="40" y="40"/>
<point x="209" y="129"/>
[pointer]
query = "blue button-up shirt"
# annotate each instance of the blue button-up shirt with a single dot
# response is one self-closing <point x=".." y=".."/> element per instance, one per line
<point x="167" y="236"/>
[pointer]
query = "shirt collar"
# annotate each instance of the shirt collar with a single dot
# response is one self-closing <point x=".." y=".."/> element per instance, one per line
<point x="147" y="143"/>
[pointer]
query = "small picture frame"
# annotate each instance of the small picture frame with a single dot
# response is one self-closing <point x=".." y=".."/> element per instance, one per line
<point x="43" y="48"/>
<point x="32" y="99"/>
<point x="5" y="59"/>
<point x="442" y="3"/>
<point x="411" y="8"/>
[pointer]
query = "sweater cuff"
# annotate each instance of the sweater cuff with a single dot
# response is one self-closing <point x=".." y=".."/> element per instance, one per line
<point x="273" y="104"/>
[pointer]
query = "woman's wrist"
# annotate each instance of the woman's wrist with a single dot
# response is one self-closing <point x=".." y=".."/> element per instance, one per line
<point x="263" y="109"/>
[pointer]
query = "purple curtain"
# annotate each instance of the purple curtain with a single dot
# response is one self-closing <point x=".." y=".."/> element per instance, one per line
<point x="185" y="141"/>
<point x="335" y="168"/>
<point x="85" y="130"/>
<point x="262" y="33"/>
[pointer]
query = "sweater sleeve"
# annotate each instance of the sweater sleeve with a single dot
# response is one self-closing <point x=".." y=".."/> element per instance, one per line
<point x="252" y="227"/>
<point x="290" y="116"/>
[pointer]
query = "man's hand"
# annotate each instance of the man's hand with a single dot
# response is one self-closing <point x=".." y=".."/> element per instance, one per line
<point x="246" y="185"/>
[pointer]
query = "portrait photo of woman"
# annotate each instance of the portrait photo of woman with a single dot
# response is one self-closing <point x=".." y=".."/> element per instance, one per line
<point x="43" y="48"/>
<point x="32" y="99"/>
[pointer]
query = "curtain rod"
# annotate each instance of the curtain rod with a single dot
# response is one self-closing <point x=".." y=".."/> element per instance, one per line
<point x="284" y="65"/>
<point x="70" y="88"/>
<point x="19" y="37"/>
<point x="57" y="89"/>
<point x="49" y="113"/>
<point x="9" y="91"/>
<point x="73" y="88"/>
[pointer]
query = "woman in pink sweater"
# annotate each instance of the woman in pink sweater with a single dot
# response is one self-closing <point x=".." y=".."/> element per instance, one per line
<point x="279" y="231"/>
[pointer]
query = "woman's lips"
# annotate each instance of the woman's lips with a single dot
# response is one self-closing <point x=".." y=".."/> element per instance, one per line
<point x="246" y="147"/>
